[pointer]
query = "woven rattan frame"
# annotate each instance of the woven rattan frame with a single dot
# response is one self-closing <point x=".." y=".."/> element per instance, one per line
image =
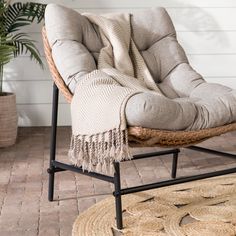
<point x="54" y="72"/>
<point x="139" y="136"/>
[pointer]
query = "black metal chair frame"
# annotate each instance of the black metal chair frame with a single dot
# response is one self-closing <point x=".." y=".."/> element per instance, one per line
<point x="56" y="166"/>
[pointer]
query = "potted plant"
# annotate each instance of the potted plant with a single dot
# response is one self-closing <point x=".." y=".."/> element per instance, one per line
<point x="12" y="44"/>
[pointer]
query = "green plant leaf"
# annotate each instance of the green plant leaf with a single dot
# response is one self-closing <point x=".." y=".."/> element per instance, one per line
<point x="24" y="44"/>
<point x="6" y="53"/>
<point x="6" y="50"/>
<point x="12" y="18"/>
<point x="20" y="14"/>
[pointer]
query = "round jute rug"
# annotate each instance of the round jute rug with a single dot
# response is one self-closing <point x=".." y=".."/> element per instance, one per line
<point x="200" y="208"/>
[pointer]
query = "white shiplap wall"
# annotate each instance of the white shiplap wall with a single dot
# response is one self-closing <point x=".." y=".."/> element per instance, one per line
<point x="205" y="28"/>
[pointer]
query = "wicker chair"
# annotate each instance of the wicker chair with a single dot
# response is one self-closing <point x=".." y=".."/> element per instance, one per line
<point x="138" y="136"/>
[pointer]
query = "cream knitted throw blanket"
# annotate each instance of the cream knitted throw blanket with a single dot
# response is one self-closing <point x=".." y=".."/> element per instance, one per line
<point x="99" y="129"/>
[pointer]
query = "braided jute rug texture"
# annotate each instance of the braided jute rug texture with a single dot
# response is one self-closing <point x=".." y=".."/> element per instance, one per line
<point x="200" y="208"/>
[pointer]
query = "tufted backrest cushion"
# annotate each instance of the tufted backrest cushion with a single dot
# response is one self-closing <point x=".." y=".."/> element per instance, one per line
<point x="66" y="24"/>
<point x="76" y="44"/>
<point x="155" y="37"/>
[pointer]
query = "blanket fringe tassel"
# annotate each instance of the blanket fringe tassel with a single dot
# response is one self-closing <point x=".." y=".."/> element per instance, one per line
<point x="98" y="152"/>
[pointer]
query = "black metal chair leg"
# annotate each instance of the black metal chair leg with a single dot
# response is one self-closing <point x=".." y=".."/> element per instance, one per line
<point x="51" y="184"/>
<point x="51" y="169"/>
<point x="174" y="165"/>
<point x="117" y="194"/>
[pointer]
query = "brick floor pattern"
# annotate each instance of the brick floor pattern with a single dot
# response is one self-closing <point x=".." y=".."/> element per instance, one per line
<point x="24" y="208"/>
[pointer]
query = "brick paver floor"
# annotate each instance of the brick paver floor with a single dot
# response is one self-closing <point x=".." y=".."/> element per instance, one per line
<point x="24" y="208"/>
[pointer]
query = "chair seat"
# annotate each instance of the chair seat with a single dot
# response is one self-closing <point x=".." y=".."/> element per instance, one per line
<point x="145" y="137"/>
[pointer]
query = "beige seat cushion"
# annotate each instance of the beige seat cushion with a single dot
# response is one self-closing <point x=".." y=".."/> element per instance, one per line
<point x="190" y="103"/>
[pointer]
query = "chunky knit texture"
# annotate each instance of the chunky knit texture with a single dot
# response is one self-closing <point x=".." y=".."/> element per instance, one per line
<point x="99" y="129"/>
